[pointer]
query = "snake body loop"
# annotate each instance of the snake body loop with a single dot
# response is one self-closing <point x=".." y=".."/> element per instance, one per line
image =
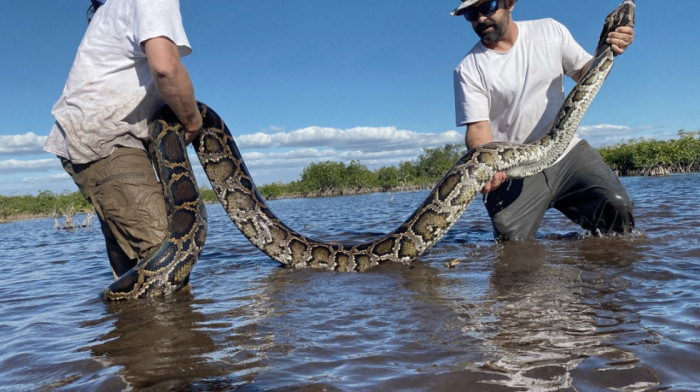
<point x="167" y="269"/>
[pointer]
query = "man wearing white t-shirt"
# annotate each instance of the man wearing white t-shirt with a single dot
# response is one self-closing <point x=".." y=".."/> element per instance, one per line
<point x="127" y="66"/>
<point x="509" y="88"/>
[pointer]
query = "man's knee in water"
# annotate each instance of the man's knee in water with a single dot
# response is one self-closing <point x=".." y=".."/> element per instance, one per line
<point x="614" y="215"/>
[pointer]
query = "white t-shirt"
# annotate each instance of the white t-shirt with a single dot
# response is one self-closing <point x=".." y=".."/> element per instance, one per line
<point x="110" y="96"/>
<point x="519" y="91"/>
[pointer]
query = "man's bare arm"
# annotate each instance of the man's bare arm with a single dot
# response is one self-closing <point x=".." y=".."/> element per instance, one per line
<point x="478" y="134"/>
<point x="173" y="83"/>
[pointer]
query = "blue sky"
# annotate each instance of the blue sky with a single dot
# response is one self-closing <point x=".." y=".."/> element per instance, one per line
<point x="310" y="80"/>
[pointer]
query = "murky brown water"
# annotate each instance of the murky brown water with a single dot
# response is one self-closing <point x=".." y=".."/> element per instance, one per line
<point x="559" y="313"/>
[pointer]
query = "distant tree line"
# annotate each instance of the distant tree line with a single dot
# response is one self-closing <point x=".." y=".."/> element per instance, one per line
<point x="633" y="157"/>
<point x="336" y="178"/>
<point x="655" y="157"/>
<point x="45" y="203"/>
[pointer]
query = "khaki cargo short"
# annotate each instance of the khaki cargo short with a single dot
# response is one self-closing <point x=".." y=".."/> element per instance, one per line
<point x="129" y="202"/>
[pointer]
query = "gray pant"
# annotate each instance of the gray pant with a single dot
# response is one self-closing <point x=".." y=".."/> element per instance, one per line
<point x="129" y="202"/>
<point x="581" y="186"/>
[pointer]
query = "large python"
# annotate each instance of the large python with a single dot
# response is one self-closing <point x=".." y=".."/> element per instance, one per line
<point x="167" y="269"/>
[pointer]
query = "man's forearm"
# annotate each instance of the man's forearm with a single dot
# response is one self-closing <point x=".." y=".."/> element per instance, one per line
<point x="478" y="134"/>
<point x="172" y="81"/>
<point x="177" y="91"/>
<point x="582" y="71"/>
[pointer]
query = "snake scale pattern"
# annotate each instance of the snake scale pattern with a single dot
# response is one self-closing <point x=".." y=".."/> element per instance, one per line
<point x="167" y="269"/>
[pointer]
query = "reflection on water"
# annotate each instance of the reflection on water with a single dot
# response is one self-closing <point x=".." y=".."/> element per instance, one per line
<point x="161" y="344"/>
<point x="549" y="320"/>
<point x="563" y="312"/>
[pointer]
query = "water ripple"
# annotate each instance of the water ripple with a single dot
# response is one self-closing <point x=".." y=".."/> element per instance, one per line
<point x="563" y="312"/>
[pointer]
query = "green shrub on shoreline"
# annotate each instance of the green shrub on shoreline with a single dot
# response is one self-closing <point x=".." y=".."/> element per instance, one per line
<point x="634" y="157"/>
<point x="655" y="157"/>
<point x="45" y="203"/>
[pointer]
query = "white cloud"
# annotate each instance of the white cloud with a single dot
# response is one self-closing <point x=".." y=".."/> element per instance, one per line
<point x="60" y="177"/>
<point x="378" y="155"/>
<point x="358" y="138"/>
<point x="37" y="165"/>
<point x="281" y="156"/>
<point x="609" y="134"/>
<point x="26" y="144"/>
<point x="57" y="183"/>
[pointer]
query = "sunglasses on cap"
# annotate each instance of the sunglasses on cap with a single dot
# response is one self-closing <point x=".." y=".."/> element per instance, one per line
<point x="488" y="8"/>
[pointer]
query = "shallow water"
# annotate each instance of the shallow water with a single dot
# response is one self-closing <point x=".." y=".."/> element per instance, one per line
<point x="563" y="312"/>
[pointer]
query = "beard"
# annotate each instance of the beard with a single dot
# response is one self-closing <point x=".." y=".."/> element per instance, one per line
<point x="492" y="35"/>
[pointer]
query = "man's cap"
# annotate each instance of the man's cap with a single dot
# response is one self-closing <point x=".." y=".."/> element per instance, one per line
<point x="465" y="4"/>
